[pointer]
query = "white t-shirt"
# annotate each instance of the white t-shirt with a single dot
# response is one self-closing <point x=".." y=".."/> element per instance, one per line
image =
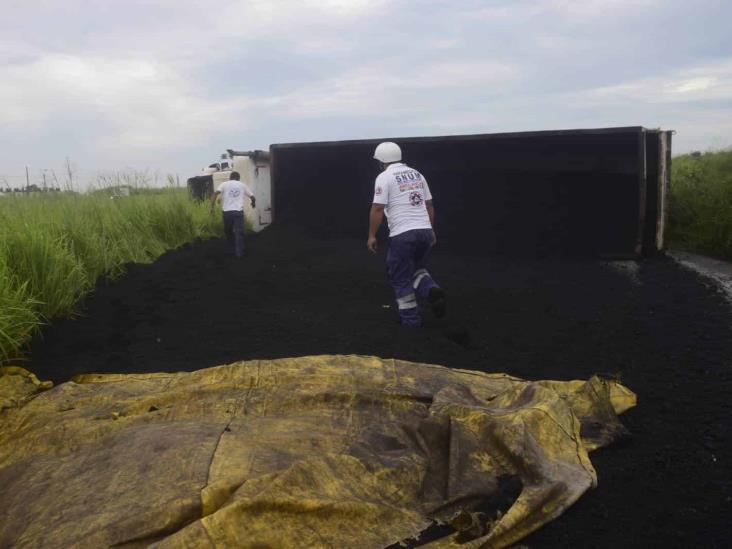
<point x="403" y="191"/>
<point x="232" y="195"/>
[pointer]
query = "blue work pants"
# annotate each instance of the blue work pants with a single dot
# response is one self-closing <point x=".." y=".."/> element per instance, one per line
<point x="234" y="231"/>
<point x="405" y="264"/>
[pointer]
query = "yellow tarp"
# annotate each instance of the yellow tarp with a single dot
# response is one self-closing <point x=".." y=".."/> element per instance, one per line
<point x="326" y="451"/>
<point x="17" y="386"/>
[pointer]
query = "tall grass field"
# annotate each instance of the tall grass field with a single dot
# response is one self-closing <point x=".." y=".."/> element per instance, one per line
<point x="54" y="247"/>
<point x="700" y="210"/>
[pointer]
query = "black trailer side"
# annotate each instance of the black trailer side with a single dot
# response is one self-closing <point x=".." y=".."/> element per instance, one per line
<point x="567" y="192"/>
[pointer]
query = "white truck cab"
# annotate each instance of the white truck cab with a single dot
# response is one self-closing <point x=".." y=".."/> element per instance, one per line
<point x="254" y="170"/>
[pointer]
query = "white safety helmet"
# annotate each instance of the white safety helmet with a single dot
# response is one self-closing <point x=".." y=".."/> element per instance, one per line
<point x="388" y="152"/>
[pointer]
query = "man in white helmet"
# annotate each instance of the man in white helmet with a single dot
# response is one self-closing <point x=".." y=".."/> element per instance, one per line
<point x="402" y="194"/>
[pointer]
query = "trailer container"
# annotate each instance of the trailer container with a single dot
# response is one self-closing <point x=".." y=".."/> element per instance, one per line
<point x="591" y="192"/>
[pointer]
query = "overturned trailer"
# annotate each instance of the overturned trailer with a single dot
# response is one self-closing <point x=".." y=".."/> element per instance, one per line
<point x="253" y="168"/>
<point x="596" y="192"/>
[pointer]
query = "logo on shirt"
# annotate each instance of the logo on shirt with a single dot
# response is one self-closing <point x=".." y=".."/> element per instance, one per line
<point x="378" y="191"/>
<point x="234" y="193"/>
<point x="406" y="177"/>
<point x="415" y="198"/>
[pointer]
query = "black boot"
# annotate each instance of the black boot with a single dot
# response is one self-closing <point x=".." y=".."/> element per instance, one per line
<point x="436" y="298"/>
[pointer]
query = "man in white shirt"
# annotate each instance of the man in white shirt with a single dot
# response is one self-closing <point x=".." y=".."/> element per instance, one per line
<point x="403" y="195"/>
<point x="232" y="193"/>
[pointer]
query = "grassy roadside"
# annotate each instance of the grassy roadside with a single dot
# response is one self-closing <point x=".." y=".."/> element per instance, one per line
<point x="700" y="214"/>
<point x="53" y="247"/>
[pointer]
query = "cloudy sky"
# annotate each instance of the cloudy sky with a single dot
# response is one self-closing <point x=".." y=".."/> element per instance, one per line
<point x="165" y="85"/>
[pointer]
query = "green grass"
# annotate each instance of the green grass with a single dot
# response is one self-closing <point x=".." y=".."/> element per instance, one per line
<point x="54" y="247"/>
<point x="700" y="211"/>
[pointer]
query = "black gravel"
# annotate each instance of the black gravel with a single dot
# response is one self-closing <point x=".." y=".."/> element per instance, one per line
<point x="661" y="329"/>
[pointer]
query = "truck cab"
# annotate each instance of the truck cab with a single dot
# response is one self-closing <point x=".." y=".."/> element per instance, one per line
<point x="254" y="170"/>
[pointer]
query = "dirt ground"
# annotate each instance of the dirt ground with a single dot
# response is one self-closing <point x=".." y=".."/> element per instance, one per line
<point x="661" y="328"/>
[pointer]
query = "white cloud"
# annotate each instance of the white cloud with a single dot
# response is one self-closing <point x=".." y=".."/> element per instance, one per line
<point x="576" y="11"/>
<point x="583" y="10"/>
<point x="282" y="18"/>
<point x="380" y="91"/>
<point x="138" y="102"/>
<point x="708" y="82"/>
<point x="695" y="85"/>
<point x="348" y="8"/>
<point x="169" y="75"/>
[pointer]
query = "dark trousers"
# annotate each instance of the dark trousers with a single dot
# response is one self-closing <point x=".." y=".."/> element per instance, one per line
<point x="406" y="266"/>
<point x="234" y="231"/>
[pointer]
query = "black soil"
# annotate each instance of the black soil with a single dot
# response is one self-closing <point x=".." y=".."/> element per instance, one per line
<point x="661" y="329"/>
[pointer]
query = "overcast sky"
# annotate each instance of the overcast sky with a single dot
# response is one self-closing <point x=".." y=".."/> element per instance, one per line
<point x="168" y="85"/>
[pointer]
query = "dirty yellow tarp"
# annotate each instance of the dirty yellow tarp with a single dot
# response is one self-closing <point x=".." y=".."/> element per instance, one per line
<point x="325" y="451"/>
<point x="18" y="385"/>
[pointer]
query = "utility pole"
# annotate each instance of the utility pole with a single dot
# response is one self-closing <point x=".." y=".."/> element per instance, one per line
<point x="43" y="173"/>
<point x="27" y="179"/>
